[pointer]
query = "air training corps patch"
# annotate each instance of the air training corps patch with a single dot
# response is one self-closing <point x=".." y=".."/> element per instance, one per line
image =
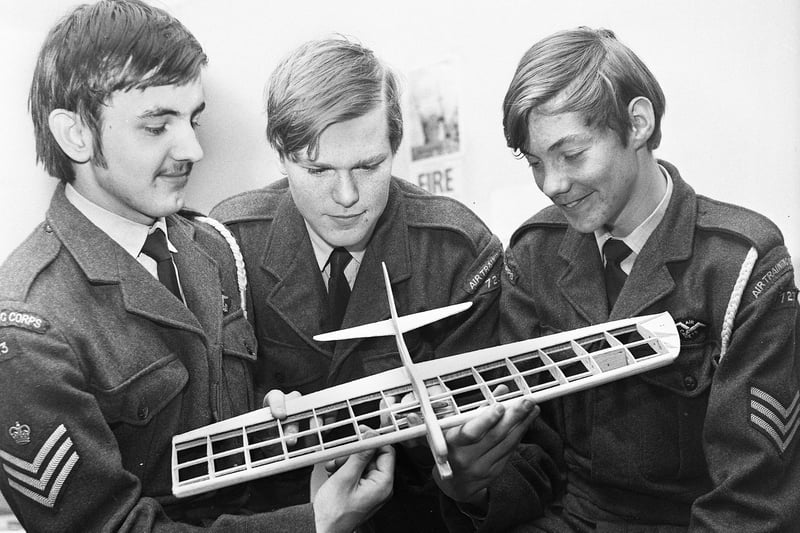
<point x="23" y="319"/>
<point x="42" y="479"/>
<point x="483" y="277"/>
<point x="778" y="422"/>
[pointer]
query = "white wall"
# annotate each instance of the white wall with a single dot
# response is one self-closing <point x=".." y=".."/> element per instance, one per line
<point x="730" y="71"/>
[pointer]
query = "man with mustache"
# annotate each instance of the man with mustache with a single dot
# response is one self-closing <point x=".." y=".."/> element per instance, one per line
<point x="122" y="320"/>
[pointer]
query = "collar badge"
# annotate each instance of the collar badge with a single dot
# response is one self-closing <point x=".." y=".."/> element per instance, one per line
<point x="21" y="433"/>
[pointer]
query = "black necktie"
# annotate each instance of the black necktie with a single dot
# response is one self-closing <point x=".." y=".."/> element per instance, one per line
<point x="338" y="288"/>
<point x="615" y="251"/>
<point x="155" y="246"/>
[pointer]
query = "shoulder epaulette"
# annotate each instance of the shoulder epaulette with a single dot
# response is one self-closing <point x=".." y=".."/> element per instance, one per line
<point x="441" y="212"/>
<point x="549" y="217"/>
<point x="259" y="204"/>
<point x="752" y="227"/>
<point x="26" y="262"/>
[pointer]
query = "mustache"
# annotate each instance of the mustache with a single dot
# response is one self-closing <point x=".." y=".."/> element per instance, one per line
<point x="182" y="169"/>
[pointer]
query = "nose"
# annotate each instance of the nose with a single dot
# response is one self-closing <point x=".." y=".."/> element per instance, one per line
<point x="187" y="146"/>
<point x="552" y="181"/>
<point x="345" y="190"/>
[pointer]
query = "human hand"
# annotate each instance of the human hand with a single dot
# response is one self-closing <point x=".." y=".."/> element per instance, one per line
<point x="479" y="449"/>
<point x="276" y="401"/>
<point x="405" y="416"/>
<point x="356" y="488"/>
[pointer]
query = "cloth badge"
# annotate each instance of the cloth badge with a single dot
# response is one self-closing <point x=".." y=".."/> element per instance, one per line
<point x="482" y="277"/>
<point x="691" y="330"/>
<point x="22" y="319"/>
<point x="42" y="479"/>
<point x="773" y="419"/>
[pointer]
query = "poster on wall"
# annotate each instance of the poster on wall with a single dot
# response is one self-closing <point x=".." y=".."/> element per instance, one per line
<point x="434" y="129"/>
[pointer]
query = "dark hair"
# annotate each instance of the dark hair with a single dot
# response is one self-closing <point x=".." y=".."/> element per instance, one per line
<point x="592" y="73"/>
<point x="97" y="50"/>
<point x="325" y="82"/>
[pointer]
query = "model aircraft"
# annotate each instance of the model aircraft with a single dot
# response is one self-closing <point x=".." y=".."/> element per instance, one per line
<point x="447" y="392"/>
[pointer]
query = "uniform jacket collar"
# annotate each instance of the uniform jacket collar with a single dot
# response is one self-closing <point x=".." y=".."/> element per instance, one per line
<point x="299" y="294"/>
<point x="650" y="280"/>
<point x="104" y="262"/>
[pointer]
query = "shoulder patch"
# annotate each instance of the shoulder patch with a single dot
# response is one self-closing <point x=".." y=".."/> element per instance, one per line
<point x="8" y="348"/>
<point x="42" y="479"/>
<point x="24" y="320"/>
<point x="762" y="283"/>
<point x="482" y="275"/>
<point x="786" y="299"/>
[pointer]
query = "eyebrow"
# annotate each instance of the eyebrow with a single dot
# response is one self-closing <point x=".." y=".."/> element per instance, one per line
<point x="157" y="112"/>
<point x="376" y="159"/>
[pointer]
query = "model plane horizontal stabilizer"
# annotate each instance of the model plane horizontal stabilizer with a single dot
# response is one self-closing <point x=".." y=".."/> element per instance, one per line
<point x="386" y="329"/>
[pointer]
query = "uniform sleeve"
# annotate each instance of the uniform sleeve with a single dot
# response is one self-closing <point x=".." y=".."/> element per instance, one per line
<point x="477" y="282"/>
<point x="62" y="469"/>
<point x="532" y="477"/>
<point x="752" y="419"/>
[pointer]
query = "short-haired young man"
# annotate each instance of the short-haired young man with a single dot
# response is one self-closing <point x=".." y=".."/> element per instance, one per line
<point x="121" y="321"/>
<point x="334" y="118"/>
<point x="709" y="442"/>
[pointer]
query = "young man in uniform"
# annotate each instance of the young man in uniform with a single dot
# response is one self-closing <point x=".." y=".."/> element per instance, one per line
<point x="314" y="242"/>
<point x="709" y="442"/>
<point x="121" y="320"/>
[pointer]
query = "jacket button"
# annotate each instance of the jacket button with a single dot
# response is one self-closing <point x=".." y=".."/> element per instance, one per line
<point x="142" y="412"/>
<point x="689" y="382"/>
<point x="48" y="229"/>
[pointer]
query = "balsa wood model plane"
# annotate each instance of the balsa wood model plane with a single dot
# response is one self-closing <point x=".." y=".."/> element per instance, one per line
<point x="446" y="392"/>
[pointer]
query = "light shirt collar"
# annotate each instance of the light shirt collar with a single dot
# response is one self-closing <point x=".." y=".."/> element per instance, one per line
<point x="322" y="251"/>
<point x="638" y="237"/>
<point x="127" y="233"/>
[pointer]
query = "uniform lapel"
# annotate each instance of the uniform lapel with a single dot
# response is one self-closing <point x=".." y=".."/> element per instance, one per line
<point x="582" y="282"/>
<point x="199" y="276"/>
<point x="298" y="293"/>
<point x="650" y="280"/>
<point x="103" y="261"/>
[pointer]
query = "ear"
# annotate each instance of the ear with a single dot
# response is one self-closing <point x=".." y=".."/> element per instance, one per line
<point x="640" y="111"/>
<point x="282" y="166"/>
<point x="71" y="134"/>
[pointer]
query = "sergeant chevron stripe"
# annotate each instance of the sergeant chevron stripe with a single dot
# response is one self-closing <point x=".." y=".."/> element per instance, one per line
<point x="43" y="479"/>
<point x="777" y="422"/>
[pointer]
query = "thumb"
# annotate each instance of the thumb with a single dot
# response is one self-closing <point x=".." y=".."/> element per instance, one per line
<point x="355" y="465"/>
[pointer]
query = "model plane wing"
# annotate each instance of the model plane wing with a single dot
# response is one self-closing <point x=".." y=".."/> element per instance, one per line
<point x="331" y="421"/>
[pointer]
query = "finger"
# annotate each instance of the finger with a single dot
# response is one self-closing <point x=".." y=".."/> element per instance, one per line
<point x="276" y="401"/>
<point x="334" y="464"/>
<point x="386" y="417"/>
<point x="474" y="430"/>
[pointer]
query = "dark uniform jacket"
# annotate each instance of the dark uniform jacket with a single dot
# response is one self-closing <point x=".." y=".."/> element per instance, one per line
<point x="100" y="365"/>
<point x="705" y="444"/>
<point x="437" y="253"/>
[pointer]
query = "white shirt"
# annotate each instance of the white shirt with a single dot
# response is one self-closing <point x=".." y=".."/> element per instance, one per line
<point x="638" y="237"/>
<point x="127" y="233"/>
<point x="322" y="251"/>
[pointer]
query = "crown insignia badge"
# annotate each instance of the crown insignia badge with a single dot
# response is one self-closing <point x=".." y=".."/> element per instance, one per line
<point x="21" y="433"/>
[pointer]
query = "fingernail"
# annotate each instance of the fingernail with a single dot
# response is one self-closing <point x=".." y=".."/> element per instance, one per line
<point x="528" y="405"/>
